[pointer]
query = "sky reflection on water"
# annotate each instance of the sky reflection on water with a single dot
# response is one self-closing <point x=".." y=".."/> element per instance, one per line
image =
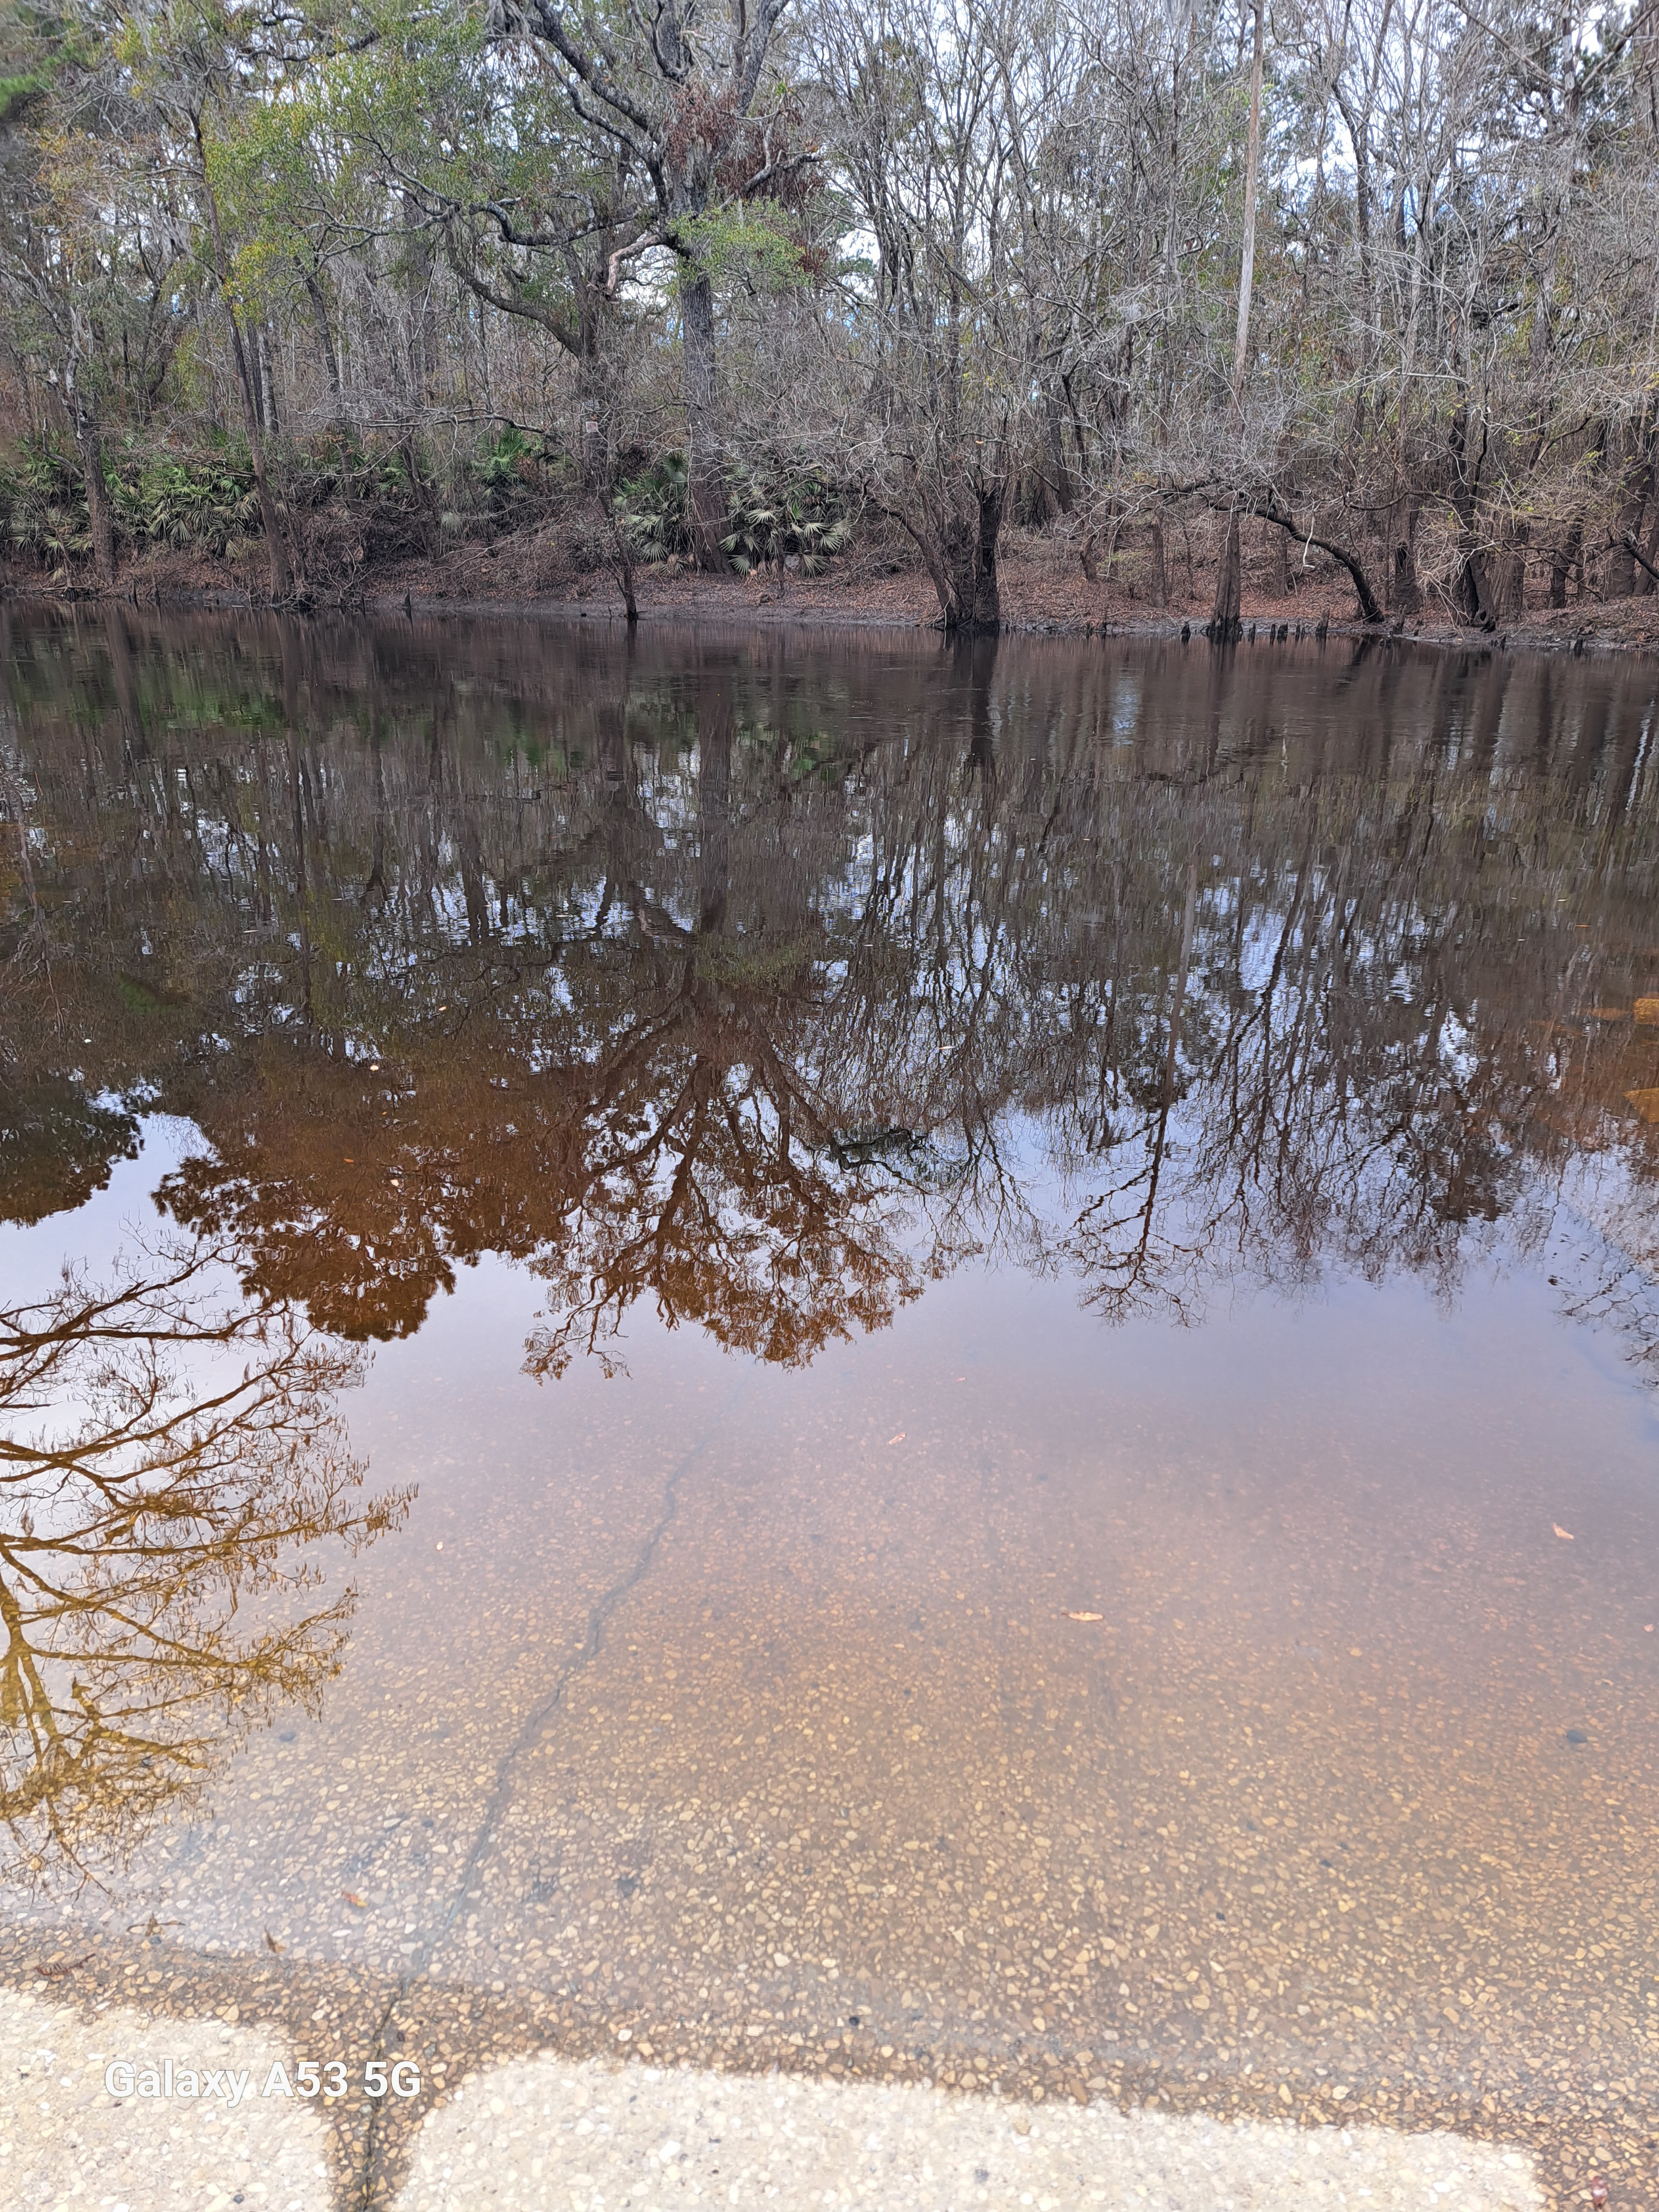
<point x="918" y="1326"/>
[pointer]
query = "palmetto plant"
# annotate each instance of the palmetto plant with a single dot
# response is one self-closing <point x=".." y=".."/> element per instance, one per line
<point x="44" y="504"/>
<point x="777" y="516"/>
<point x="507" y="463"/>
<point x="774" y="513"/>
<point x="200" y="504"/>
<point x="652" y="509"/>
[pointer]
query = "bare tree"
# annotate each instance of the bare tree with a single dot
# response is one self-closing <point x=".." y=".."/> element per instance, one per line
<point x="683" y="108"/>
<point x="923" y="141"/>
<point x="168" y="1452"/>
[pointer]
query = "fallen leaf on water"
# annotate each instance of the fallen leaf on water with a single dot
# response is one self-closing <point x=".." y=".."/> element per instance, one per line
<point x="1566" y="1535"/>
<point x="1085" y="1616"/>
<point x="352" y="1898"/>
<point x="898" y="1439"/>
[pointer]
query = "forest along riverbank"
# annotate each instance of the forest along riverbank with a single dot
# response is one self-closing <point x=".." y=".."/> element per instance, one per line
<point x="1199" y="299"/>
<point x="894" y="1361"/>
<point x="1043" y="590"/>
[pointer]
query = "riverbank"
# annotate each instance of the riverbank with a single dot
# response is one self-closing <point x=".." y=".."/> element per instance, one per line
<point x="1043" y="592"/>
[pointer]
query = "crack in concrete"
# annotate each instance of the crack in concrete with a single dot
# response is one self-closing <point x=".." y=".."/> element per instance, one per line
<point x="362" y="2191"/>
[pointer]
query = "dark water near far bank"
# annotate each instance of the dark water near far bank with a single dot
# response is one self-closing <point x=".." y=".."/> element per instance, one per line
<point x="862" y="1356"/>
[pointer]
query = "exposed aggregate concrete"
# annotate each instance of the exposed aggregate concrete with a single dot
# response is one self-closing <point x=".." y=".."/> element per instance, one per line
<point x="65" y="2140"/>
<point x="916" y="1736"/>
<point x="542" y="2130"/>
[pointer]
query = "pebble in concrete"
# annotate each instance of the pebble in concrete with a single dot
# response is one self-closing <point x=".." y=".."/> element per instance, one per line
<point x="65" y="2140"/>
<point x="541" y="2131"/>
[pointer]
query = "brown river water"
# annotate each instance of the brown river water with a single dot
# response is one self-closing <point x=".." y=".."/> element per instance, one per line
<point x="838" y="1354"/>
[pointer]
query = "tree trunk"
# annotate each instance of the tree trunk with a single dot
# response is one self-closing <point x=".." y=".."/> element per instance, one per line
<point x="1618" y="576"/>
<point x="1057" y="475"/>
<point x="270" y="519"/>
<point x="706" y="485"/>
<point x="973" y="603"/>
<point x="267" y="381"/>
<point x="256" y="371"/>
<point x="1475" y="595"/>
<point x="1562" y="562"/>
<point x="1279" y="556"/>
<point x="958" y="543"/>
<point x="89" y="437"/>
<point x="1247" y="258"/>
<point x="328" y="353"/>
<point x="1645" y="583"/>
<point x="1223" y="624"/>
<point x="325" y="335"/>
<point x="1509" y="584"/>
<point x="622" y="559"/>
<point x="1371" y="608"/>
<point x="987" y="596"/>
<point x="422" y="315"/>
<point x="1155" y="546"/>
<point x="431" y="519"/>
<point x="99" y="522"/>
<point x="1405" y="592"/>
<point x="1647" y="568"/>
<point x="593" y="402"/>
<point x="1474" y="586"/>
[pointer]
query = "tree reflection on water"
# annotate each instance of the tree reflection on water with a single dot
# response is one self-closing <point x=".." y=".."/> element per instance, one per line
<point x="763" y="987"/>
<point x="651" y="967"/>
<point x="759" y="986"/>
<point x="171" y="1463"/>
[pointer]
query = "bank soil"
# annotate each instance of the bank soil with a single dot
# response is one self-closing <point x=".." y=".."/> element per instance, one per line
<point x="1043" y="588"/>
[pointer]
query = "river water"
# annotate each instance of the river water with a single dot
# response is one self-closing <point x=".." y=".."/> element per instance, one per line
<point x="841" y="1355"/>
